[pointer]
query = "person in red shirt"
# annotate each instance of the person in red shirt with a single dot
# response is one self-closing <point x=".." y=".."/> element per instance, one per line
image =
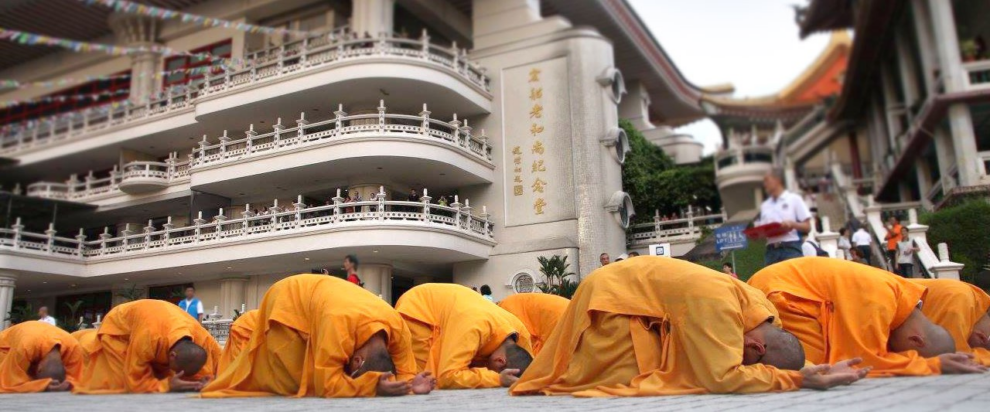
<point x="351" y="266"/>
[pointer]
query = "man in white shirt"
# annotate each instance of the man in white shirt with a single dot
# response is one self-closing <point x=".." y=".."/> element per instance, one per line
<point x="788" y="209"/>
<point x="861" y="240"/>
<point x="43" y="316"/>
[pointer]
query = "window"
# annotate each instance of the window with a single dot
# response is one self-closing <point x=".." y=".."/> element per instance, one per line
<point x="103" y="91"/>
<point x="219" y="51"/>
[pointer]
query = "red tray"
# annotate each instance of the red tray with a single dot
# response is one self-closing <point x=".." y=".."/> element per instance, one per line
<point x="766" y="231"/>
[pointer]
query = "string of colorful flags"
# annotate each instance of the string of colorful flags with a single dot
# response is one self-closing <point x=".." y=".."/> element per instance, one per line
<point x="34" y="39"/>
<point x="166" y="14"/>
<point x="15" y="84"/>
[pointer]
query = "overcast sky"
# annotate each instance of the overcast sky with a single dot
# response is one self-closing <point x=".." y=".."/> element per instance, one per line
<point x="752" y="44"/>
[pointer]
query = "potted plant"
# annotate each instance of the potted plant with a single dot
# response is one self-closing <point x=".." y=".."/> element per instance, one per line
<point x="556" y="277"/>
<point x="969" y="50"/>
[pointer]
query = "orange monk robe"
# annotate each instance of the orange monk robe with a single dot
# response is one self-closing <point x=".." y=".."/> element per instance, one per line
<point x="240" y="333"/>
<point x="25" y="344"/>
<point x="130" y="353"/>
<point x="841" y="310"/>
<point x="308" y="328"/>
<point x="655" y="326"/>
<point x="956" y="306"/>
<point x="538" y="311"/>
<point x="454" y="328"/>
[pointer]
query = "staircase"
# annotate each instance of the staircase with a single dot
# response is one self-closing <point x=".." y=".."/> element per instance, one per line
<point x="864" y="210"/>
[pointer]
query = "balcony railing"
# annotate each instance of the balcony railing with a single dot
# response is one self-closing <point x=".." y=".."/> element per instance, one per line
<point x="290" y="58"/>
<point x="977" y="74"/>
<point x="77" y="125"/>
<point x="328" y="49"/>
<point x="675" y="229"/>
<point x="170" y="171"/>
<point x="743" y="155"/>
<point x="453" y="134"/>
<point x="456" y="218"/>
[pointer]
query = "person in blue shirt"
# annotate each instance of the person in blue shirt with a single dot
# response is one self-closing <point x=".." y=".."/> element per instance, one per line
<point x="191" y="304"/>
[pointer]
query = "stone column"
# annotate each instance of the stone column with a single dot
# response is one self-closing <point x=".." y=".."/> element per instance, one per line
<point x="636" y="107"/>
<point x="377" y="279"/>
<point x="139" y="31"/>
<point x="231" y="296"/>
<point x="944" y="28"/>
<point x="6" y="297"/>
<point x="964" y="140"/>
<point x="945" y="152"/>
<point x="922" y="26"/>
<point x="373" y="16"/>
<point x="492" y="18"/>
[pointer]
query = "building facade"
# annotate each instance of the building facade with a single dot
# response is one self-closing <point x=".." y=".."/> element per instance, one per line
<point x="439" y="141"/>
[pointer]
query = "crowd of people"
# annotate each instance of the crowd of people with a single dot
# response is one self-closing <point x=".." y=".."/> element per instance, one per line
<point x="643" y="326"/>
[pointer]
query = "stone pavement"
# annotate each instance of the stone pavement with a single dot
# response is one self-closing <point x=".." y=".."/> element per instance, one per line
<point x="942" y="393"/>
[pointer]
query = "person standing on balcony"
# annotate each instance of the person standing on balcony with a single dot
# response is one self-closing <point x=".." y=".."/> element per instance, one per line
<point x="861" y="239"/>
<point x="790" y="211"/>
<point x="413" y="197"/>
<point x="351" y="266"/>
<point x="191" y="304"/>
<point x="893" y="238"/>
<point x="906" y="249"/>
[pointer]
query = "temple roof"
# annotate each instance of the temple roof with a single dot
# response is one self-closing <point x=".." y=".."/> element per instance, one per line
<point x="821" y="80"/>
<point x="824" y="15"/>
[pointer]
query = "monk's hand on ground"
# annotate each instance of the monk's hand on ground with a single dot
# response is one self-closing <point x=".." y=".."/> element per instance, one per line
<point x="508" y="376"/>
<point x="823" y="377"/>
<point x="959" y="363"/>
<point x="56" y="386"/>
<point x="848" y="366"/>
<point x="391" y="388"/>
<point x="177" y="384"/>
<point x="423" y="383"/>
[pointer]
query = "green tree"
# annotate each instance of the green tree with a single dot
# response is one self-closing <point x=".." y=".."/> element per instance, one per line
<point x="655" y="182"/>
<point x="556" y="278"/>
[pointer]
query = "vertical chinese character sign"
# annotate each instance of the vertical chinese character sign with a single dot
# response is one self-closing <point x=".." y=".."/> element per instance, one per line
<point x="539" y="182"/>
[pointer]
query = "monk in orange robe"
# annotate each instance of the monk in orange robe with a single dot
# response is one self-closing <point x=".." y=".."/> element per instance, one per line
<point x="462" y="338"/>
<point x="538" y="311"/>
<point x="654" y="326"/>
<point x="38" y="357"/>
<point x="148" y="346"/>
<point x="960" y="308"/>
<point x="840" y="309"/>
<point x="237" y="338"/>
<point x="320" y="336"/>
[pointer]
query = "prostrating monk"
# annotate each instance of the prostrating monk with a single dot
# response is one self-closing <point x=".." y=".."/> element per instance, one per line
<point x="462" y="338"/>
<point x="237" y="338"/>
<point x="961" y="309"/>
<point x="659" y="326"/>
<point x="539" y="312"/>
<point x="840" y="309"/>
<point x="317" y="335"/>
<point x="36" y="357"/>
<point x="83" y="336"/>
<point x="148" y="346"/>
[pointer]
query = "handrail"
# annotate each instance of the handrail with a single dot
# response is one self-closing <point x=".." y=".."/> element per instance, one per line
<point x="670" y="229"/>
<point x="456" y="217"/>
<point x="453" y="133"/>
<point x="171" y="171"/>
<point x="312" y="52"/>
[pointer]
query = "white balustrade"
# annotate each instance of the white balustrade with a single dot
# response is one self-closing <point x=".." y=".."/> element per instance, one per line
<point x="301" y="220"/>
<point x="169" y="172"/>
<point x="344" y="126"/>
<point x="673" y="229"/>
<point x="314" y="52"/>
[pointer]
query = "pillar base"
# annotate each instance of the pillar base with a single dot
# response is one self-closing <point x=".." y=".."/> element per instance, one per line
<point x="7" y="281"/>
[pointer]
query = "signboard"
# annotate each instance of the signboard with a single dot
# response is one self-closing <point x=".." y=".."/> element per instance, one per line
<point x="537" y="163"/>
<point x="730" y="237"/>
<point x="660" y="249"/>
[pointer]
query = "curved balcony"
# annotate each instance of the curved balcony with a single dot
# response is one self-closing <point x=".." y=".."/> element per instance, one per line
<point x="413" y="231"/>
<point x="92" y="189"/>
<point x="739" y="175"/>
<point x="416" y="148"/>
<point x="298" y="76"/>
<point x="144" y="177"/>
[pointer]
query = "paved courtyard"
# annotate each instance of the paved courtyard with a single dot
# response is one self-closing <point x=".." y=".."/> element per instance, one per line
<point x="943" y="393"/>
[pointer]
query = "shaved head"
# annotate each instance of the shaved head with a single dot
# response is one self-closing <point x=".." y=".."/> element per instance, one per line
<point x="187" y="357"/>
<point x="920" y="334"/>
<point x="980" y="336"/>
<point x="517" y="358"/>
<point x="783" y="349"/>
<point x="51" y="366"/>
<point x="372" y="356"/>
